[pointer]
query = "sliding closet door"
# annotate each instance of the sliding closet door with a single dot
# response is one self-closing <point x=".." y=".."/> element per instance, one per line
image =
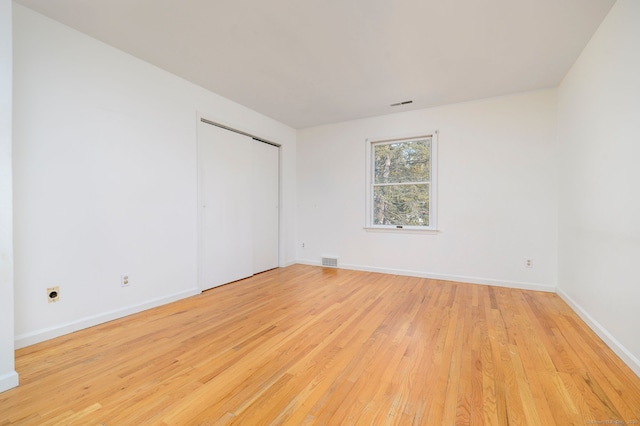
<point x="265" y="206"/>
<point x="226" y="210"/>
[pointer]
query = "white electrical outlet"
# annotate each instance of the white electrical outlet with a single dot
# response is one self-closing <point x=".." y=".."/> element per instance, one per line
<point x="528" y="263"/>
<point x="124" y="280"/>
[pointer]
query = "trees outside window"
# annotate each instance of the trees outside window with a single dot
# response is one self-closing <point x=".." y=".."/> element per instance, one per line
<point x="401" y="183"/>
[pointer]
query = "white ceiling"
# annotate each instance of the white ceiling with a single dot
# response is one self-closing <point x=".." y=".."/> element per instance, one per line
<point x="309" y="62"/>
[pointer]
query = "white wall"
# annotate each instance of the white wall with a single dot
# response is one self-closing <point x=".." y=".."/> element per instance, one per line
<point x="497" y="193"/>
<point x="105" y="178"/>
<point x="8" y="376"/>
<point x="599" y="219"/>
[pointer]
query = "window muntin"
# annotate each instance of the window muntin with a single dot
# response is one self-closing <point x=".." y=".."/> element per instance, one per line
<point x="401" y="190"/>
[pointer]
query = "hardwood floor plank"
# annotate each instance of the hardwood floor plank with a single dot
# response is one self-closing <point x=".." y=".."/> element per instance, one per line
<point x="307" y="345"/>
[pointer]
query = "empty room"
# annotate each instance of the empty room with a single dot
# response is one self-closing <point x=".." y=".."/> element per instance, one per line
<point x="332" y="213"/>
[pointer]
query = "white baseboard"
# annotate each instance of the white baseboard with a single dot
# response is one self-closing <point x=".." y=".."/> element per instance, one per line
<point x="617" y="347"/>
<point x="288" y="263"/>
<point x="49" y="333"/>
<point x="8" y="381"/>
<point x="445" y="277"/>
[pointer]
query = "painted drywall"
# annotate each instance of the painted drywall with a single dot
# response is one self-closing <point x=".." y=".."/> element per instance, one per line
<point x="599" y="207"/>
<point x="8" y="376"/>
<point x="105" y="179"/>
<point x="497" y="186"/>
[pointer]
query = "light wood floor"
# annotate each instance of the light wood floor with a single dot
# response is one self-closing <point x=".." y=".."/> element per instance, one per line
<point x="306" y="345"/>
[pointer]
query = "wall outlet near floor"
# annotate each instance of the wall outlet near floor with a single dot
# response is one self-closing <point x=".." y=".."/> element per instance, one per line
<point x="124" y="280"/>
<point x="53" y="294"/>
<point x="528" y="263"/>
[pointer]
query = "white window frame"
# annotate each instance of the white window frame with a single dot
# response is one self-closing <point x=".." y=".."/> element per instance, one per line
<point x="433" y="184"/>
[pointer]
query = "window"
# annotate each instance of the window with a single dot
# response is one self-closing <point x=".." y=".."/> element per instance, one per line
<point x="401" y="183"/>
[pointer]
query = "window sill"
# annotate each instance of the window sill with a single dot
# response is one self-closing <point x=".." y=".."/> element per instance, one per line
<point x="401" y="230"/>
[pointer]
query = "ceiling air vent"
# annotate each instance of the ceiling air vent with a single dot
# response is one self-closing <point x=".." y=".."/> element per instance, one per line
<point x="330" y="262"/>
<point x="401" y="103"/>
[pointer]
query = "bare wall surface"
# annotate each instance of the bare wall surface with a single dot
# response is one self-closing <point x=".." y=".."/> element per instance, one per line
<point x="106" y="179"/>
<point x="8" y="376"/>
<point x="497" y="190"/>
<point x="599" y="225"/>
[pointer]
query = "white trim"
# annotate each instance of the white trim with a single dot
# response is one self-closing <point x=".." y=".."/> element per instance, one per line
<point x="199" y="205"/>
<point x="49" y="333"/>
<point x="618" y="348"/>
<point x="8" y="381"/>
<point x="444" y="277"/>
<point x="433" y="187"/>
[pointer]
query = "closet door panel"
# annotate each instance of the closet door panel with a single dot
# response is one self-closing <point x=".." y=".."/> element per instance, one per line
<point x="266" y="184"/>
<point x="226" y="216"/>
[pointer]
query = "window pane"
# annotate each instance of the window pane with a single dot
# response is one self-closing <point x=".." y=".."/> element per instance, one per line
<point x="406" y="161"/>
<point x="406" y="205"/>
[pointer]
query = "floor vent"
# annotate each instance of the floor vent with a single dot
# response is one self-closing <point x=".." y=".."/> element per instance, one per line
<point x="330" y="262"/>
